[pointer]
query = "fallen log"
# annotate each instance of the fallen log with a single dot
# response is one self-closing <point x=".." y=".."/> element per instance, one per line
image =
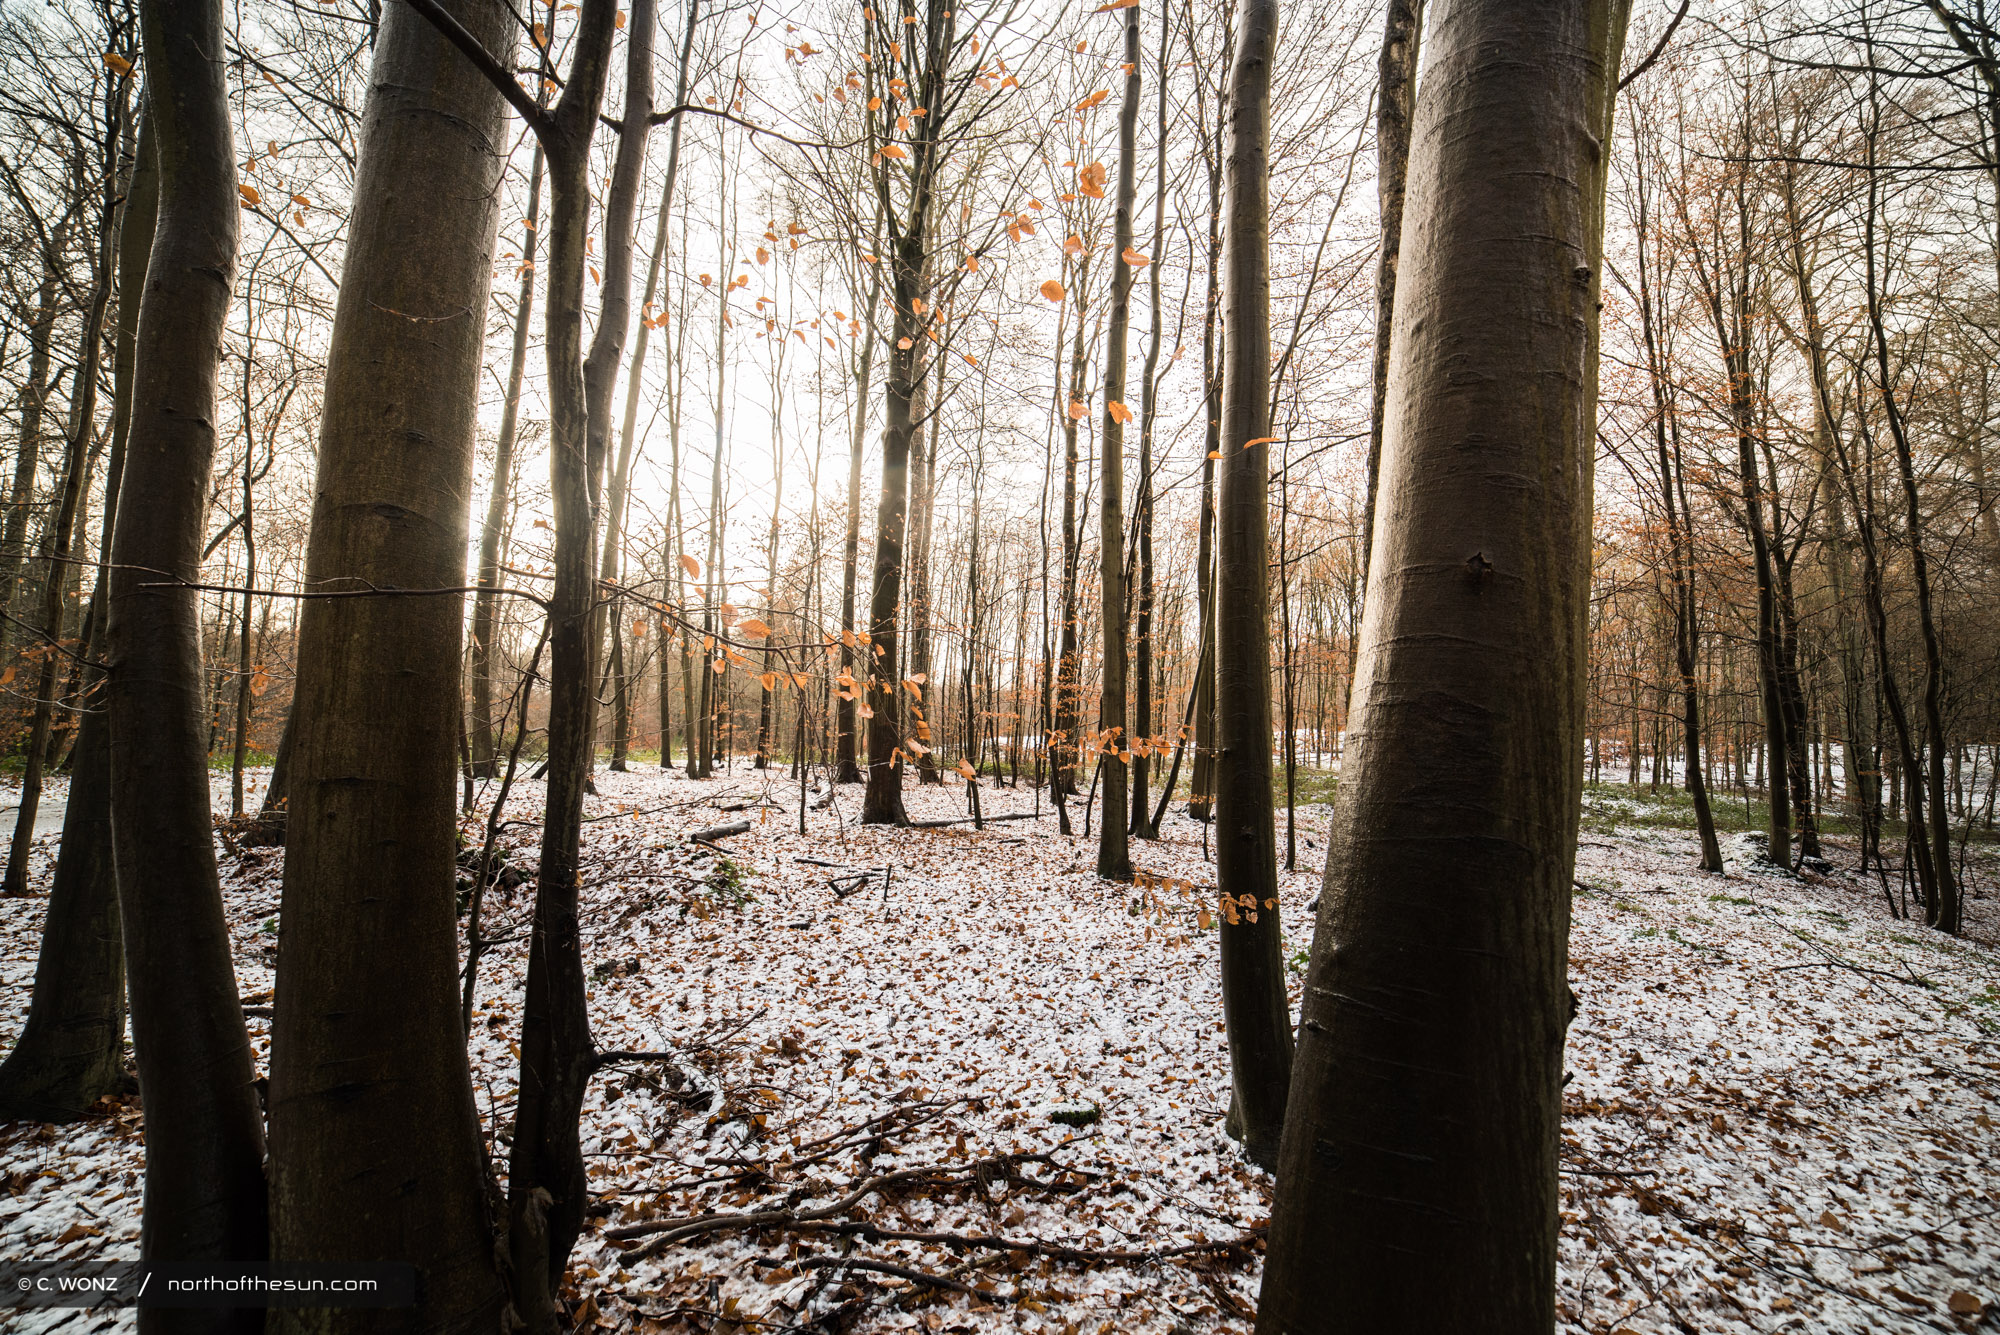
<point x="722" y="831"/>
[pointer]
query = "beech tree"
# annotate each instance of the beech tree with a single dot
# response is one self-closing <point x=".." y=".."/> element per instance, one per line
<point x="1254" y="1004"/>
<point x="204" y="1126"/>
<point x="376" y="1150"/>
<point x="1419" y="1154"/>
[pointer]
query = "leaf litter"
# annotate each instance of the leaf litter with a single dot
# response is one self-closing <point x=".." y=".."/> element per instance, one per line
<point x="944" y="1079"/>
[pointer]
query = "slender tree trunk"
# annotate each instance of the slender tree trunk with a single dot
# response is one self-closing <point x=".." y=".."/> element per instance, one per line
<point x="28" y="451"/>
<point x="1253" y="967"/>
<point x="847" y="768"/>
<point x="1114" y="859"/>
<point x="1201" y="781"/>
<point x="1941" y="906"/>
<point x="635" y="380"/>
<point x="205" y="1196"/>
<point x="1069" y="705"/>
<point x="1680" y="543"/>
<point x="72" y="1049"/>
<point x="59" y="531"/>
<point x="546" y="1182"/>
<point x="1143" y="826"/>
<point x="376" y="1152"/>
<point x="1420" y="1150"/>
<point x="923" y="496"/>
<point x="607" y="352"/>
<point x="486" y="603"/>
<point x="1395" y="100"/>
<point x="883" y="803"/>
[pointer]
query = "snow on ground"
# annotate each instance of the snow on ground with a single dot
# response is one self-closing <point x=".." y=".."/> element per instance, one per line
<point x="1781" y="1116"/>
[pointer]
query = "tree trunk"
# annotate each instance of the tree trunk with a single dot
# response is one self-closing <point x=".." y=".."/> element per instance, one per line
<point x="72" y="1048"/>
<point x="1114" y="859"/>
<point x="607" y="352"/>
<point x="636" y="376"/>
<point x="59" y="531"/>
<point x="1201" y="781"/>
<point x="1395" y="99"/>
<point x="546" y="1182"/>
<point x="883" y="802"/>
<point x="847" y="767"/>
<point x="1253" y="967"/>
<point x="204" y="1129"/>
<point x="486" y="603"/>
<point x="28" y="455"/>
<point x="1420" y="1150"/>
<point x="1142" y="825"/>
<point x="376" y="1150"/>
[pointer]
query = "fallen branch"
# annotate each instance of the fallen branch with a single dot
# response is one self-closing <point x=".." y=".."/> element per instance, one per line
<point x="1055" y="1251"/>
<point x="665" y="1231"/>
<point x="721" y="831"/>
<point x="860" y="1263"/>
<point x="967" y="820"/>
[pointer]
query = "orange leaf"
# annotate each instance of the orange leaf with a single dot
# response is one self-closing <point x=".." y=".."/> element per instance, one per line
<point x="971" y="774"/>
<point x="1115" y="4"/>
<point x="692" y="566"/>
<point x="116" y="63"/>
<point x="1261" y="440"/>
<point x="893" y="151"/>
<point x="1119" y="412"/>
<point x="1090" y="180"/>
<point x="1053" y="290"/>
<point x="753" y="629"/>
<point x="249" y="193"/>
<point x="1135" y="259"/>
<point x="770" y="680"/>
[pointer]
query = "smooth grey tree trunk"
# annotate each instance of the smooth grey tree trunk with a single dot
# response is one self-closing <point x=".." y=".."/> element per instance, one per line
<point x="1419" y="1159"/>
<point x="205" y="1198"/>
<point x="1255" y="1009"/>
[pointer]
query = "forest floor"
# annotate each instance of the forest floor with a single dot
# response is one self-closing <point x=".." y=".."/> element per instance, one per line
<point x="1782" y="1115"/>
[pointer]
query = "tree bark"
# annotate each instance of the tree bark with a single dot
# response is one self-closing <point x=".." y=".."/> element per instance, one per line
<point x="204" y="1129"/>
<point x="376" y="1151"/>
<point x="1420" y="1150"/>
<point x="1254" y="1004"/>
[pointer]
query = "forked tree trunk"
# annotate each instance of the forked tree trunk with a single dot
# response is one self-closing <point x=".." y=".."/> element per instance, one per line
<point x="1254" y="1004"/>
<point x="376" y="1151"/>
<point x="545" y="1180"/>
<point x="204" y="1128"/>
<point x="1420" y="1149"/>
